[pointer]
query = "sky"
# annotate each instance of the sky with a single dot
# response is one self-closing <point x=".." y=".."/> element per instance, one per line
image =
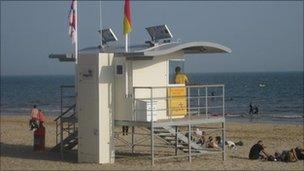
<point x="264" y="36"/>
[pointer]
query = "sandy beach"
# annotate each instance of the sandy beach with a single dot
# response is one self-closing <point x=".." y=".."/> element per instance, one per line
<point x="17" y="151"/>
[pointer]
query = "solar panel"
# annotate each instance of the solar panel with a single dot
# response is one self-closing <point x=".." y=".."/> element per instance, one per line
<point x="108" y="36"/>
<point x="159" y="32"/>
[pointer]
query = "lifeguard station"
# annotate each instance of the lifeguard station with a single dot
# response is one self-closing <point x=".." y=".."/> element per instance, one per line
<point x="115" y="88"/>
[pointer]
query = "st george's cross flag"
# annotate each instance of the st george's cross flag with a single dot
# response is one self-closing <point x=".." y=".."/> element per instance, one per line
<point x="73" y="22"/>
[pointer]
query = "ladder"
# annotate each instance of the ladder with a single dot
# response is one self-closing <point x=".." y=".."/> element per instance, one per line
<point x="66" y="122"/>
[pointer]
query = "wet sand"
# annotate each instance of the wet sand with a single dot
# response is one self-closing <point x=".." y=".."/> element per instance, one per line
<point x="17" y="150"/>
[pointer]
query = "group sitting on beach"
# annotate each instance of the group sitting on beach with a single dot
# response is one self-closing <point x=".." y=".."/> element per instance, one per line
<point x="214" y="142"/>
<point x="37" y="118"/>
<point x="257" y="151"/>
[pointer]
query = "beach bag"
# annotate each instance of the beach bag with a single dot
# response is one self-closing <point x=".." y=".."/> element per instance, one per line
<point x="270" y="158"/>
<point x="34" y="124"/>
<point x="240" y="143"/>
<point x="278" y="156"/>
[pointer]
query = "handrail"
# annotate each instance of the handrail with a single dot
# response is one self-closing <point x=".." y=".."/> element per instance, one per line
<point x="73" y="106"/>
<point x="181" y="85"/>
<point x="67" y="86"/>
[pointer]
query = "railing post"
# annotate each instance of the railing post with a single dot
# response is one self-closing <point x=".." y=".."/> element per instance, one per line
<point x="223" y="100"/>
<point x="133" y="139"/>
<point x="56" y="137"/>
<point x="206" y="98"/>
<point x="176" y="140"/>
<point x="61" y="124"/>
<point x="198" y="101"/>
<point x="223" y="127"/>
<point x="133" y="105"/>
<point x="61" y="138"/>
<point x="61" y="101"/>
<point x="189" y="142"/>
<point x="152" y="127"/>
<point x="188" y="101"/>
<point x="170" y="105"/>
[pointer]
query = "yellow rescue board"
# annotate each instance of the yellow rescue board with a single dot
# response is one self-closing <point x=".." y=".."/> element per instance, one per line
<point x="177" y="102"/>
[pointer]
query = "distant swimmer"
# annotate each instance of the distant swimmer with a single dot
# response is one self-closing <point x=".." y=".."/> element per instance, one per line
<point x="262" y="85"/>
<point x="250" y="109"/>
<point x="180" y="78"/>
<point x="255" y="110"/>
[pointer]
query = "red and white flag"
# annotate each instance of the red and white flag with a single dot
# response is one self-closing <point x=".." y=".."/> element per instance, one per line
<point x="73" y="22"/>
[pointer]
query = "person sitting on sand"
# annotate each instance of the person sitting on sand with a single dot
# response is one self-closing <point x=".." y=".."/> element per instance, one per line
<point x="257" y="151"/>
<point x="34" y="123"/>
<point x="213" y="143"/>
<point x="200" y="136"/>
<point x="292" y="155"/>
<point x="300" y="153"/>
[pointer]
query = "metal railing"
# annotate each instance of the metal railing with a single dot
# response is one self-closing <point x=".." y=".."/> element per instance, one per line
<point x="66" y="122"/>
<point x="173" y="104"/>
<point x="193" y="101"/>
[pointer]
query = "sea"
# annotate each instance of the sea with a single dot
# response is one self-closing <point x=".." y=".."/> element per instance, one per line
<point x="279" y="95"/>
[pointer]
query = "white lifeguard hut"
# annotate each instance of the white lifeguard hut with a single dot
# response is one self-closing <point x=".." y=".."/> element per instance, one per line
<point x="136" y="88"/>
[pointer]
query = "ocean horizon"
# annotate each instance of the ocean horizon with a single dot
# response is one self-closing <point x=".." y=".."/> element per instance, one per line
<point x="229" y="72"/>
<point x="281" y="96"/>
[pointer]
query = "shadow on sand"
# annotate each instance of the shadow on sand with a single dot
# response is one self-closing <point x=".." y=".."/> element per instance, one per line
<point x="239" y="157"/>
<point x="122" y="154"/>
<point x="27" y="152"/>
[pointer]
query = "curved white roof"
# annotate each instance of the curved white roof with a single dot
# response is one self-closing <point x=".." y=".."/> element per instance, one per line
<point x="144" y="52"/>
<point x="191" y="47"/>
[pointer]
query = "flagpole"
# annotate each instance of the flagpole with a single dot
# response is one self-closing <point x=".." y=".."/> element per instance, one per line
<point x="76" y="58"/>
<point x="127" y="42"/>
<point x="76" y="32"/>
<point x="100" y="23"/>
<point x="127" y="24"/>
<point x="126" y="67"/>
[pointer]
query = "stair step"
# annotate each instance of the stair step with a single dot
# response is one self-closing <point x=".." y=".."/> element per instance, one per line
<point x="160" y="132"/>
<point x="70" y="119"/>
<point x="192" y="151"/>
<point x="68" y="143"/>
<point x="169" y="138"/>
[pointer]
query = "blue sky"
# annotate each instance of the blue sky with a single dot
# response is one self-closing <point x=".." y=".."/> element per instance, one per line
<point x="263" y="36"/>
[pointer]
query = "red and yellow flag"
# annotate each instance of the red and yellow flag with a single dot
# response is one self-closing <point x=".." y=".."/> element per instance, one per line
<point x="127" y="22"/>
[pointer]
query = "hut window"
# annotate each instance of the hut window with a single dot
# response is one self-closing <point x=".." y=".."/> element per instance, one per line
<point x="173" y="63"/>
<point x="119" y="70"/>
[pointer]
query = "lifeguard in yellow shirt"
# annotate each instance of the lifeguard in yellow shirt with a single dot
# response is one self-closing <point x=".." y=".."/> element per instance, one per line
<point x="180" y="78"/>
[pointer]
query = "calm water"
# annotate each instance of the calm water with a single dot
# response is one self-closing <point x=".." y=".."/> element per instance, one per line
<point x="281" y="95"/>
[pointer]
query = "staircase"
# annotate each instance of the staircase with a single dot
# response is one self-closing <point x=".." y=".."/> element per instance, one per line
<point x="66" y="122"/>
<point x="177" y="139"/>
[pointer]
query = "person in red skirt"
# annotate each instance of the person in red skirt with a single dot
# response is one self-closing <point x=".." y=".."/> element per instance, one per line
<point x="39" y="134"/>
